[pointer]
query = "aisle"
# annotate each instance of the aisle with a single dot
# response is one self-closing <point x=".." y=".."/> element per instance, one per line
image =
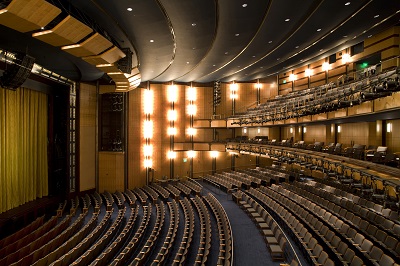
<point x="249" y="246"/>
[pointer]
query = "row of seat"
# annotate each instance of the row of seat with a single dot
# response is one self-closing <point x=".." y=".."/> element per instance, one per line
<point x="373" y="213"/>
<point x="205" y="231"/>
<point x="119" y="241"/>
<point x="318" y="231"/>
<point x="187" y="236"/>
<point x="130" y="248"/>
<point x="225" y="256"/>
<point x="17" y="250"/>
<point x="296" y="228"/>
<point x="272" y="234"/>
<point x="385" y="238"/>
<point x="163" y="252"/>
<point x="70" y="256"/>
<point x="68" y="244"/>
<point x="20" y="234"/>
<point x="342" y="228"/>
<point x="96" y="249"/>
<point x="141" y="257"/>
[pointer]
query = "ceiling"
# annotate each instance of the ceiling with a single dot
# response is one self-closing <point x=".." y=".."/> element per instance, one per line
<point x="208" y="40"/>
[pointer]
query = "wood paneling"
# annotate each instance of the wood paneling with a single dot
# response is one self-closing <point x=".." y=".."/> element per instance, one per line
<point x="87" y="139"/>
<point x="111" y="171"/>
<point x="68" y="31"/>
<point x="93" y="45"/>
<point x="28" y="15"/>
<point x="110" y="56"/>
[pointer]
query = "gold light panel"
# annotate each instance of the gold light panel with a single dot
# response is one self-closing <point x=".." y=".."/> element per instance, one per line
<point x="28" y="15"/>
<point x="68" y="31"/>
<point x="93" y="45"/>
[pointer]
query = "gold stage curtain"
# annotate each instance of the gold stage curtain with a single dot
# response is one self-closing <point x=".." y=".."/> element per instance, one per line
<point x="23" y="147"/>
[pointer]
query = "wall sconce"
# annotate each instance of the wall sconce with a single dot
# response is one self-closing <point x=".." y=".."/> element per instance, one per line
<point x="258" y="130"/>
<point x="346" y="58"/>
<point x="148" y="163"/>
<point x="325" y="66"/>
<point x="234" y="88"/>
<point x="148" y="129"/>
<point x="389" y="127"/>
<point x="244" y="130"/>
<point x="378" y="127"/>
<point x="191" y="109"/>
<point x="148" y="150"/>
<point x="191" y="94"/>
<point x="291" y="130"/>
<point x="191" y="131"/>
<point x="171" y="131"/>
<point x="339" y="129"/>
<point x="148" y="101"/>
<point x="258" y="85"/>
<point x="304" y="130"/>
<point x="171" y="115"/>
<point x="172" y="93"/>
<point x="292" y="77"/>
<point x="214" y="154"/>
<point x="191" y="154"/>
<point x="171" y="155"/>
<point x="308" y="72"/>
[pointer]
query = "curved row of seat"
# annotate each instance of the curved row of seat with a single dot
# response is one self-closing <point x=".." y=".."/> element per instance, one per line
<point x="367" y="227"/>
<point x="272" y="234"/>
<point x="225" y="255"/>
<point x="155" y="232"/>
<point x="188" y="232"/>
<point x="171" y="234"/>
<point x="205" y="231"/>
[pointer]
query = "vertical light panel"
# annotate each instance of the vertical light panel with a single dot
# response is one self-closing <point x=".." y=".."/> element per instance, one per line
<point x="148" y="107"/>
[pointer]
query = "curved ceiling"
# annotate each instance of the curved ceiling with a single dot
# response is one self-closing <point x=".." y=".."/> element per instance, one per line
<point x="208" y="40"/>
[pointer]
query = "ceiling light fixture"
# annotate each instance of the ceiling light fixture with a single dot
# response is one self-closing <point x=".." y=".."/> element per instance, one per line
<point x="193" y="24"/>
<point x="237" y="34"/>
<point x="376" y="16"/>
<point x="270" y="42"/>
<point x="244" y="5"/>
<point x="296" y="47"/>
<point x="287" y="20"/>
<point x="347" y="3"/>
<point x="129" y="9"/>
<point x="318" y="29"/>
<point x="151" y="40"/>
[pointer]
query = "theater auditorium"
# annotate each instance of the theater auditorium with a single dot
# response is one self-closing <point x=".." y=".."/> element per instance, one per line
<point x="200" y="132"/>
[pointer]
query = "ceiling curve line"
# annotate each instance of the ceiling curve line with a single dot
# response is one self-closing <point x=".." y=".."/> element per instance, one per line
<point x="247" y="46"/>
<point x="316" y="5"/>
<point x="171" y="28"/>
<point x="315" y="42"/>
<point x="213" y="40"/>
<point x="119" y="26"/>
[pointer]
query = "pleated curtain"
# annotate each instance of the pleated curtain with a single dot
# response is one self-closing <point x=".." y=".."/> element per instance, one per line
<point x="23" y="147"/>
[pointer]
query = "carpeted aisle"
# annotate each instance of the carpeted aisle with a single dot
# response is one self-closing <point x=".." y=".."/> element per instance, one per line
<point x="249" y="246"/>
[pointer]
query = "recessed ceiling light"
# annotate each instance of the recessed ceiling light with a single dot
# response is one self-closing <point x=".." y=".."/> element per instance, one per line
<point x="226" y="52"/>
<point x="321" y="50"/>
<point x="261" y="67"/>
<point x="301" y="60"/>
<point x="376" y="16"/>
<point x="296" y="47"/>
<point x="238" y="66"/>
<point x="151" y="40"/>
<point x="213" y="65"/>
<point x="369" y="36"/>
<point x="237" y="34"/>
<point x="278" y="59"/>
<point x="344" y="36"/>
<point x="288" y="19"/>
<point x="253" y="56"/>
<point x="270" y="42"/>
<point x="318" y="29"/>
<point x="194" y="48"/>
<point x="194" y="24"/>
<point x="129" y="9"/>
<point x="244" y="5"/>
<point x="187" y="62"/>
<point x="347" y="3"/>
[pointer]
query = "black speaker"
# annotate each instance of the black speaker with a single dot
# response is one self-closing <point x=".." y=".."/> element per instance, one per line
<point x="17" y="72"/>
<point x="125" y="64"/>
